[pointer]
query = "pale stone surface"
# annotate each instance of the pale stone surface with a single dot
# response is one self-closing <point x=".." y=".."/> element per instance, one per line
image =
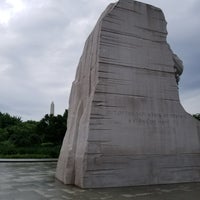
<point x="126" y="125"/>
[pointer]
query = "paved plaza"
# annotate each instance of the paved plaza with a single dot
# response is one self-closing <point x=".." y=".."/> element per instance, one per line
<point x="35" y="181"/>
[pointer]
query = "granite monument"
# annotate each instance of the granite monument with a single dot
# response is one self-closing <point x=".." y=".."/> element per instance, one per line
<point x="126" y="125"/>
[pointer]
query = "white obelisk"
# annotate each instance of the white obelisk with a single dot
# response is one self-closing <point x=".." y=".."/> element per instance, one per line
<point x="52" y="108"/>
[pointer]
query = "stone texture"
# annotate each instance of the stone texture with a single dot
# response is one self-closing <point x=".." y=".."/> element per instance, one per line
<point x="126" y="125"/>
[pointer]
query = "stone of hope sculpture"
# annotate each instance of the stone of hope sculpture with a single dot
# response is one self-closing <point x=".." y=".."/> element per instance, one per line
<point x="126" y="125"/>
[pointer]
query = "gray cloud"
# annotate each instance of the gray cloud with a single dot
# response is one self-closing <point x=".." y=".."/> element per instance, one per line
<point x="40" y="48"/>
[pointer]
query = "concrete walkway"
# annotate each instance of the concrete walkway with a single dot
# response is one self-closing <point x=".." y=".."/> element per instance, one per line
<point x="35" y="181"/>
<point x="28" y="160"/>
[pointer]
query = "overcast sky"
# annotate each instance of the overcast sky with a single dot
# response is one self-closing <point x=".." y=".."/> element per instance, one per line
<point x="41" y="42"/>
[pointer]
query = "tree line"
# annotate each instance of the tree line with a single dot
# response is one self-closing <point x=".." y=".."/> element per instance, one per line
<point x="28" y="137"/>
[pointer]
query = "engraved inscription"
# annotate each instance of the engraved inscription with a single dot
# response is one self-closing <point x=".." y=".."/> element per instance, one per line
<point x="145" y="118"/>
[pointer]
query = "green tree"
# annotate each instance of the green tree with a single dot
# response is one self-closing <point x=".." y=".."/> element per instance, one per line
<point x="31" y="137"/>
<point x="24" y="134"/>
<point x="53" y="128"/>
<point x="197" y="116"/>
<point x="6" y="120"/>
<point x="65" y="115"/>
<point x="3" y="135"/>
